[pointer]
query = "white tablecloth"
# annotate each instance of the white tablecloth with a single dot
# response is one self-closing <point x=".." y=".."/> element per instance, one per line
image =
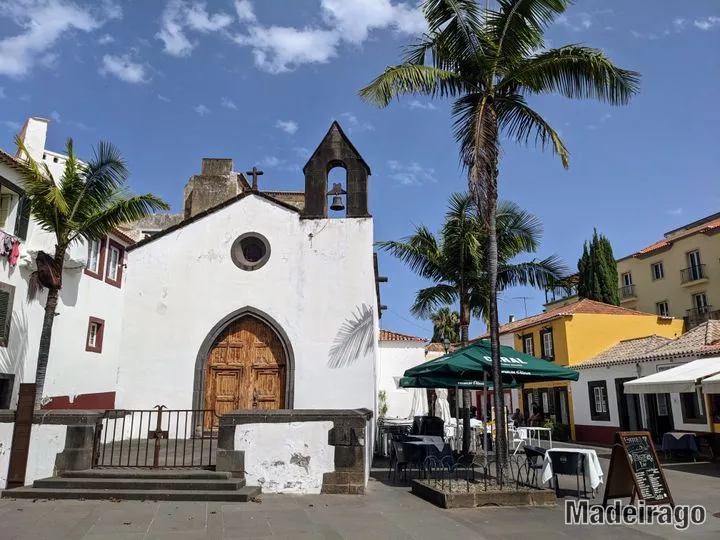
<point x="593" y="471"/>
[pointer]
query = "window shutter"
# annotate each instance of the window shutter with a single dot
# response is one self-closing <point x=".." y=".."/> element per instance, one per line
<point x="23" y="218"/>
<point x="4" y="317"/>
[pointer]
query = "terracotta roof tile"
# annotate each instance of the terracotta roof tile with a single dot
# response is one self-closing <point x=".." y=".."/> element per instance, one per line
<point x="440" y="348"/>
<point x="583" y="306"/>
<point x="704" y="228"/>
<point x="388" y="335"/>
<point x="701" y="341"/>
<point x="12" y="161"/>
<point x="625" y="351"/>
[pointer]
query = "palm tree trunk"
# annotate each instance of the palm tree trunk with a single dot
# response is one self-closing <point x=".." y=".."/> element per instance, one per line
<point x="464" y="330"/>
<point x="45" y="338"/>
<point x="499" y="397"/>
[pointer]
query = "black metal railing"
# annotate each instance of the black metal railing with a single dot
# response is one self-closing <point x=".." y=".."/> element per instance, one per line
<point x="156" y="438"/>
<point x="693" y="273"/>
<point x="627" y="291"/>
<point x="699" y="311"/>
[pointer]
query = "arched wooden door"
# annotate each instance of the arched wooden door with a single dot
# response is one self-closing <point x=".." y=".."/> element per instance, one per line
<point x="246" y="368"/>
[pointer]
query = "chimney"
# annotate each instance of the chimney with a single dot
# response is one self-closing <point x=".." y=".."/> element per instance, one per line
<point x="215" y="184"/>
<point x="511" y="318"/>
<point x="34" y="134"/>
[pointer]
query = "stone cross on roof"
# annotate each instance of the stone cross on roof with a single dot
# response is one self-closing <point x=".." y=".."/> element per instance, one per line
<point x="255" y="173"/>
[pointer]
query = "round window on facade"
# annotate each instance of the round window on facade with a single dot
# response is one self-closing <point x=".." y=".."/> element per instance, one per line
<point x="250" y="251"/>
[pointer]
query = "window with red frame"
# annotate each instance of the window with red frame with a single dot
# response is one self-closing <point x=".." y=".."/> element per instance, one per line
<point x="96" y="330"/>
<point x="114" y="269"/>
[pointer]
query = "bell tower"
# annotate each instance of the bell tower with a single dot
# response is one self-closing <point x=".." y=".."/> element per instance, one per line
<point x="336" y="150"/>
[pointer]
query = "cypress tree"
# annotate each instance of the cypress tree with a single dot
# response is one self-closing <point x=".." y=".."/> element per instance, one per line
<point x="597" y="271"/>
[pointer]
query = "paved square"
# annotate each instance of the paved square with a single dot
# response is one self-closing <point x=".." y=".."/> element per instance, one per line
<point x="386" y="512"/>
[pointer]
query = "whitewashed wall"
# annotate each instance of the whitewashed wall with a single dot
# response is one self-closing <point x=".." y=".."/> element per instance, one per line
<point x="581" y="402"/>
<point x="6" y="433"/>
<point x="395" y="358"/>
<point x="286" y="458"/>
<point x="46" y="442"/>
<point x="318" y="278"/>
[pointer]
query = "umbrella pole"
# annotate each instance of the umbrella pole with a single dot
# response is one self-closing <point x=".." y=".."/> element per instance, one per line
<point x="457" y="416"/>
<point x="484" y="424"/>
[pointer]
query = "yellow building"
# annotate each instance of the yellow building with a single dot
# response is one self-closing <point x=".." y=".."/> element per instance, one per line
<point x="572" y="334"/>
<point x="678" y="276"/>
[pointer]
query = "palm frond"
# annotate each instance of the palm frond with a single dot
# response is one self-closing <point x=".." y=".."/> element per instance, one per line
<point x="576" y="72"/>
<point x="429" y="299"/>
<point x="518" y="25"/>
<point x="118" y="212"/>
<point x="518" y="230"/>
<point x="354" y="339"/>
<point x="420" y="252"/>
<point x="460" y="22"/>
<point x="411" y="79"/>
<point x="535" y="273"/>
<point x="520" y="122"/>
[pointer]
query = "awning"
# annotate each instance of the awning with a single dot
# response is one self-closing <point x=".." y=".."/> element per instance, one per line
<point x="711" y="385"/>
<point x="465" y="367"/>
<point x="681" y="379"/>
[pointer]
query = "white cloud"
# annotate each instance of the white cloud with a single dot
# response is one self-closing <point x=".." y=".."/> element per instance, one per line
<point x="288" y="126"/>
<point x="707" y="23"/>
<point x="575" y="22"/>
<point x="278" y="49"/>
<point x="2" y="93"/>
<point x="106" y="39"/>
<point x="43" y="23"/>
<point x="11" y="125"/>
<point x="201" y="109"/>
<point x="271" y="161"/>
<point x="354" y="124"/>
<point x="245" y="11"/>
<point x="79" y="125"/>
<point x="416" y="104"/>
<point x="124" y="68"/>
<point x="163" y="98"/>
<point x="179" y="16"/>
<point x="25" y="97"/>
<point x="679" y="23"/>
<point x="55" y="116"/>
<point x="674" y="211"/>
<point x="411" y="174"/>
<point x="302" y="152"/>
<point x="228" y="103"/>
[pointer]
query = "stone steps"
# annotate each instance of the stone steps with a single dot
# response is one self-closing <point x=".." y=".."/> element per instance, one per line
<point x="244" y="494"/>
<point x="139" y="484"/>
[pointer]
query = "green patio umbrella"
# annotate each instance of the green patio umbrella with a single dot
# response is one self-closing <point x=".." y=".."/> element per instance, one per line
<point x="465" y="368"/>
<point x="435" y="381"/>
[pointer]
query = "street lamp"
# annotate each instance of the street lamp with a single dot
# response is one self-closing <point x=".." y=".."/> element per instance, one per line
<point x="446" y="344"/>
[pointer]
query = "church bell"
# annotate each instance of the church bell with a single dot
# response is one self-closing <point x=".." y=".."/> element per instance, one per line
<point x="337" y="202"/>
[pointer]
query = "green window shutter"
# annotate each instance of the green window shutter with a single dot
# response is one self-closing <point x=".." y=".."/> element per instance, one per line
<point x="23" y="218"/>
<point x="5" y="316"/>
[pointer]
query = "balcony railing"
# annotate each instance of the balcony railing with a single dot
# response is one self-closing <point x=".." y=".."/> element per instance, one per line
<point x="693" y="273"/>
<point x="627" y="291"/>
<point x="699" y="311"/>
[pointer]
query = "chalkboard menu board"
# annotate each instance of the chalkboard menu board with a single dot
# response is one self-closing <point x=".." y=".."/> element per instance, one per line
<point x="635" y="470"/>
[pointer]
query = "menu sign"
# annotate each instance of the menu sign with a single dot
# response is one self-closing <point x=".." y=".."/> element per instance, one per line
<point x="635" y="470"/>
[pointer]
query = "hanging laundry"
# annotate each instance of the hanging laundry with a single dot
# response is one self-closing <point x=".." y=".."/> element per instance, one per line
<point x="7" y="245"/>
<point x="2" y="243"/>
<point x="15" y="252"/>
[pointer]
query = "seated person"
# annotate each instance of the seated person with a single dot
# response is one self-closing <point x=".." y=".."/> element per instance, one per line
<point x="537" y="419"/>
<point x="517" y="418"/>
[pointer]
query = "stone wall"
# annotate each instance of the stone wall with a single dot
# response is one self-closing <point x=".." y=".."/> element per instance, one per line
<point x="297" y="451"/>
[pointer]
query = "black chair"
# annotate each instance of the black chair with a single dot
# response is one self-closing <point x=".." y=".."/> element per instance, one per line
<point x="534" y="458"/>
<point x="398" y="460"/>
<point x="568" y="463"/>
<point x="433" y="425"/>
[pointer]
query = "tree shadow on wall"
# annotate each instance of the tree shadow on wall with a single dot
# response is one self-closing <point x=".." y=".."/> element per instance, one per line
<point x="354" y="339"/>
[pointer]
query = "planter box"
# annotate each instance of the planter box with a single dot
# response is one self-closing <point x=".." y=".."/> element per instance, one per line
<point x="473" y="499"/>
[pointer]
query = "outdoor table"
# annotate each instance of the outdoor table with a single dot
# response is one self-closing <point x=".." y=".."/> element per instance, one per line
<point x="426" y="440"/>
<point x="679" y="440"/>
<point x="593" y="471"/>
<point x="531" y="433"/>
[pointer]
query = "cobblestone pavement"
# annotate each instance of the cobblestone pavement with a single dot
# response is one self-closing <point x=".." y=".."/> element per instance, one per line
<point x="386" y="512"/>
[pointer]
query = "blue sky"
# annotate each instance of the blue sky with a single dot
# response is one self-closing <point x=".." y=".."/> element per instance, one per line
<point x="172" y="81"/>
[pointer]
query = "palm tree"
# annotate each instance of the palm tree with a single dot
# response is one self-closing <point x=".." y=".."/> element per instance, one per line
<point x="446" y="325"/>
<point x="88" y="202"/>
<point x="489" y="61"/>
<point x="456" y="262"/>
